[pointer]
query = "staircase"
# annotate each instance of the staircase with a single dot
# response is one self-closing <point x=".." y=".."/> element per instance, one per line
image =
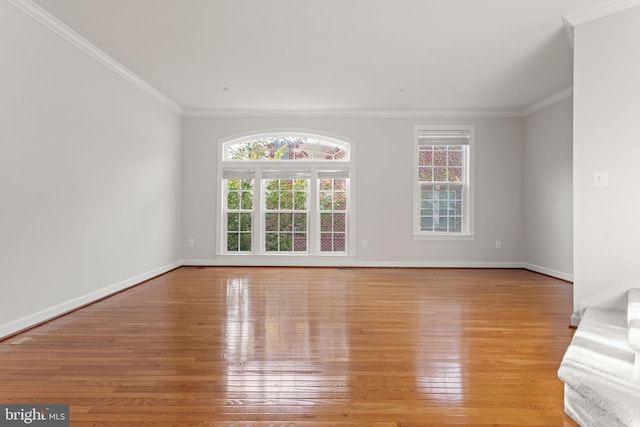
<point x="601" y="368"/>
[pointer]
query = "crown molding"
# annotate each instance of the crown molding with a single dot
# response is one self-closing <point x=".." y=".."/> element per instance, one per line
<point x="571" y="20"/>
<point x="349" y="113"/>
<point x="599" y="11"/>
<point x="55" y="25"/>
<point x="556" y="97"/>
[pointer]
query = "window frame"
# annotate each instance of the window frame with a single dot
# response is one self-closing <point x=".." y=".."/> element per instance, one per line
<point x="313" y="167"/>
<point x="467" y="232"/>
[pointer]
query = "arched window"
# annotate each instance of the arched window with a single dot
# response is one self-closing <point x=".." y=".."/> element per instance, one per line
<point x="289" y="146"/>
<point x="285" y="193"/>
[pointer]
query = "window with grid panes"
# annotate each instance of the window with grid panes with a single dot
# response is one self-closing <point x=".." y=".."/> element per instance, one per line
<point x="238" y="209"/>
<point x="442" y="188"/>
<point x="333" y="210"/>
<point x="286" y="195"/>
<point x="287" y="201"/>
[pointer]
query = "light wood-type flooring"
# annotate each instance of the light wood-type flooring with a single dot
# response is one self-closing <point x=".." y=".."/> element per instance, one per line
<point x="311" y="347"/>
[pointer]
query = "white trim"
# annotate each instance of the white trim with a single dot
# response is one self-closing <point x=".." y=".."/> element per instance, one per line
<point x="337" y="261"/>
<point x="576" y="316"/>
<point x="556" y="97"/>
<point x="569" y="31"/>
<point x="65" y="307"/>
<point x="351" y="261"/>
<point x="250" y="261"/>
<point x="548" y="271"/>
<point x="468" y="186"/>
<point x="350" y="113"/>
<point x="313" y="248"/>
<point x="599" y="11"/>
<point x="571" y="20"/>
<point x="55" y="25"/>
<point x="388" y="114"/>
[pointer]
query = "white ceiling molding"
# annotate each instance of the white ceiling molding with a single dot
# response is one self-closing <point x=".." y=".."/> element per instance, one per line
<point x="572" y="20"/>
<point x="350" y="113"/>
<point x="55" y="25"/>
<point x="556" y="97"/>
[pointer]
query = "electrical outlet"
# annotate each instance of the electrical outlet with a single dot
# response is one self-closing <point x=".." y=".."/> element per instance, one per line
<point x="498" y="244"/>
<point x="364" y="243"/>
<point x="189" y="242"/>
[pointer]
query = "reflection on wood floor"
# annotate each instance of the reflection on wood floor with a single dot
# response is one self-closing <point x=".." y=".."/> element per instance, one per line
<point x="233" y="346"/>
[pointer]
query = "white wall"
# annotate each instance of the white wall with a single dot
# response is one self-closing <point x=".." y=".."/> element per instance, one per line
<point x="383" y="189"/>
<point x="549" y="190"/>
<point x="606" y="138"/>
<point x="90" y="177"/>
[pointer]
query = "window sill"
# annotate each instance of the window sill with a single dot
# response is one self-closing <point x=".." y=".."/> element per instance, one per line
<point x="443" y="236"/>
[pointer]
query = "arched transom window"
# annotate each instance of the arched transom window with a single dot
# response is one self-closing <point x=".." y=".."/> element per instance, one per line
<point x="286" y="147"/>
<point x="285" y="193"/>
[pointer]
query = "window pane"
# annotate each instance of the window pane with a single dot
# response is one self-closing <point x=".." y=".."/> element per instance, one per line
<point x="271" y="221"/>
<point x="286" y="222"/>
<point x="340" y="202"/>
<point x="286" y="242"/>
<point x="440" y="158"/>
<point x="233" y="201"/>
<point x="233" y="221"/>
<point x="325" y="201"/>
<point x="300" y="200"/>
<point x="454" y="174"/>
<point x="326" y="242"/>
<point x="300" y="242"/>
<point x="441" y="174"/>
<point x="286" y="200"/>
<point x="333" y="221"/>
<point x="232" y="242"/>
<point x="246" y="200"/>
<point x="286" y="147"/>
<point x="339" y="222"/>
<point x="441" y="210"/>
<point x="271" y="242"/>
<point x="425" y="174"/>
<point x="245" y="241"/>
<point x="340" y="184"/>
<point x="326" y="222"/>
<point x="454" y="157"/>
<point x="300" y="222"/>
<point x="286" y="205"/>
<point x="339" y="242"/>
<point x="245" y="222"/>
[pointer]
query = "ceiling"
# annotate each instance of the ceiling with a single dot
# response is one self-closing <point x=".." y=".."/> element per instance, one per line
<point x="346" y="55"/>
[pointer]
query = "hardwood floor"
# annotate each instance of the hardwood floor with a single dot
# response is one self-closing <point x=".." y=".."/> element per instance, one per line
<point x="305" y="347"/>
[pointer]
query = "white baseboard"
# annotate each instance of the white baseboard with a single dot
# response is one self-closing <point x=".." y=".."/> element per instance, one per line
<point x="549" y="272"/>
<point x="331" y="261"/>
<point x="67" y="306"/>
<point x="576" y="316"/>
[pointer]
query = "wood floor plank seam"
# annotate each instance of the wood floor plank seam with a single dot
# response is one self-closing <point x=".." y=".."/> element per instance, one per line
<point x="311" y="347"/>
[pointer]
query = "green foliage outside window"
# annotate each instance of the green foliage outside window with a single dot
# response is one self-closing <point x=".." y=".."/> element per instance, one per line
<point x="286" y="217"/>
<point x="239" y="223"/>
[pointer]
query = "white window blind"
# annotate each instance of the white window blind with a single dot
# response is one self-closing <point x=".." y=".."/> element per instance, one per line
<point x="286" y="174"/>
<point x="443" y="137"/>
